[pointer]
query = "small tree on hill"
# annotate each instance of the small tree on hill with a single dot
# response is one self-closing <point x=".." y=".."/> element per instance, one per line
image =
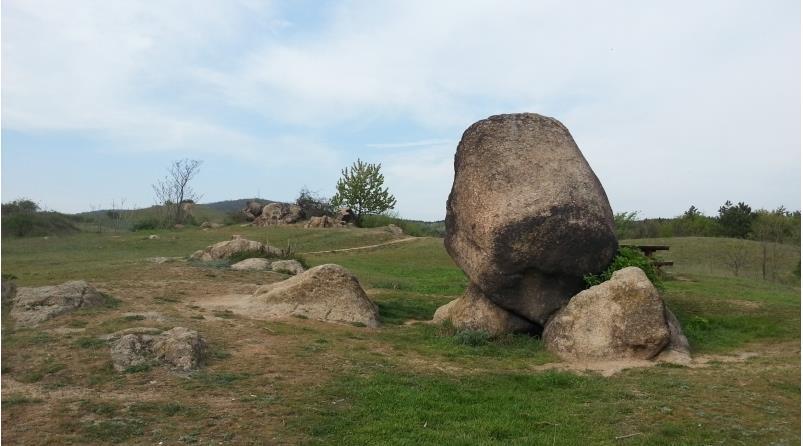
<point x="174" y="190"/>
<point x="360" y="188"/>
<point x="735" y="220"/>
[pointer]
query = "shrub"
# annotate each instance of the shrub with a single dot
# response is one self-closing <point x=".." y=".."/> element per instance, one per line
<point x="313" y="205"/>
<point x="146" y="224"/>
<point x="25" y="224"/>
<point x="625" y="257"/>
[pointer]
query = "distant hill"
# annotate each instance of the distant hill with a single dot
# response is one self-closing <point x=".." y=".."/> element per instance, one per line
<point x="234" y="205"/>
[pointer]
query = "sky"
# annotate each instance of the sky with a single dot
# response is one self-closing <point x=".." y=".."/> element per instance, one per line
<point x="672" y="103"/>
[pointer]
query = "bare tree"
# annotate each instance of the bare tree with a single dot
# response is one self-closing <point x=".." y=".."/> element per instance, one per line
<point x="175" y="190"/>
<point x="737" y="257"/>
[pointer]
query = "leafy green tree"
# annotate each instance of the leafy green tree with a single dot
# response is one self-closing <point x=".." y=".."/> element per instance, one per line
<point x="735" y="220"/>
<point x="360" y="188"/>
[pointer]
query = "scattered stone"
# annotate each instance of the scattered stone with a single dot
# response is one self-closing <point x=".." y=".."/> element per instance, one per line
<point x="327" y="292"/>
<point x="35" y="305"/>
<point x="205" y="225"/>
<point x="226" y="249"/>
<point x="153" y="237"/>
<point x="474" y="311"/>
<point x="526" y="217"/>
<point x="160" y="260"/>
<point x="254" y="264"/>
<point x="180" y="348"/>
<point x="395" y="230"/>
<point x="290" y="266"/>
<point x="622" y="318"/>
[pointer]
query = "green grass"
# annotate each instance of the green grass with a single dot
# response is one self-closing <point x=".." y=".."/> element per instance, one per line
<point x="661" y="406"/>
<point x="708" y="256"/>
<point x="107" y="256"/>
<point x="420" y="266"/>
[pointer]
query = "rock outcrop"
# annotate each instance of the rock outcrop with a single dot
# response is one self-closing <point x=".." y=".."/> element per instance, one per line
<point x="327" y="293"/>
<point x="474" y="311"/>
<point x="226" y="249"/>
<point x="526" y="217"/>
<point x="320" y="222"/>
<point x="254" y="264"/>
<point x="35" y="305"/>
<point x="279" y="213"/>
<point x="179" y="348"/>
<point x="293" y="267"/>
<point x="622" y="318"/>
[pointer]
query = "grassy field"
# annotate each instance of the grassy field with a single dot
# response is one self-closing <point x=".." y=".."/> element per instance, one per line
<point x="304" y="382"/>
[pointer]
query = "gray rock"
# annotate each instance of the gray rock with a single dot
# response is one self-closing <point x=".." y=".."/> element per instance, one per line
<point x="254" y="264"/>
<point x="526" y="217"/>
<point x="9" y="290"/>
<point x="179" y="348"/>
<point x="474" y="311"/>
<point x="290" y="266"/>
<point x="226" y="249"/>
<point x="35" y="305"/>
<point x="395" y="230"/>
<point x="327" y="293"/>
<point x="622" y="318"/>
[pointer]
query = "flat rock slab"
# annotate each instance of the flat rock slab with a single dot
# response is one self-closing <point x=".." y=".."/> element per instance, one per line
<point x="35" y="305"/>
<point x="179" y="348"/>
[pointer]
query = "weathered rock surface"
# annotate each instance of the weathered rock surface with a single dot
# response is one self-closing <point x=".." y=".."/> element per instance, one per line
<point x="526" y="217"/>
<point x="279" y="213"/>
<point x="291" y="266"/>
<point x="474" y="311"/>
<point x="622" y="318"/>
<point x="35" y="305"/>
<point x="180" y="348"/>
<point x="320" y="222"/>
<point x="226" y="249"/>
<point x="255" y="264"/>
<point x="327" y="293"/>
<point x="252" y="210"/>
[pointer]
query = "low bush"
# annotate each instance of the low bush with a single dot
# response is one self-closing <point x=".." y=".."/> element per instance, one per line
<point x="146" y="224"/>
<point x="625" y="257"/>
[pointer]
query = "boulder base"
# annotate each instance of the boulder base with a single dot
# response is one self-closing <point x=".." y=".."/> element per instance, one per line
<point x="622" y="318"/>
<point x="327" y="293"/>
<point x="473" y="311"/>
<point x="255" y="264"/>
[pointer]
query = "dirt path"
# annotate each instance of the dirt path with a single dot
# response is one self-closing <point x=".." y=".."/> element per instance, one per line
<point x="392" y="242"/>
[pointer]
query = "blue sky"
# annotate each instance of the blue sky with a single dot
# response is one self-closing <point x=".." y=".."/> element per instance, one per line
<point x="672" y="103"/>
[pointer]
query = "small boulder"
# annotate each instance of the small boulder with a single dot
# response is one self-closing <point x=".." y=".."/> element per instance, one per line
<point x="254" y="264"/>
<point x="327" y="292"/>
<point x="320" y="222"/>
<point x="153" y="237"/>
<point x="226" y="249"/>
<point x="474" y="311"/>
<point x="622" y="318"/>
<point x="179" y="348"/>
<point x="287" y="266"/>
<point x="35" y="305"/>
<point x="395" y="230"/>
<point x="205" y="225"/>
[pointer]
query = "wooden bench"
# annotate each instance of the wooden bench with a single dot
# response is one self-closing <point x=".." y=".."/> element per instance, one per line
<point x="649" y="250"/>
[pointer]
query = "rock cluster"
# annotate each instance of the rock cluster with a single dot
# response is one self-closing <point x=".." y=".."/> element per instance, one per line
<point x="226" y="249"/>
<point x="32" y="306"/>
<point x="179" y="348"/>
<point x="279" y="213"/>
<point x="326" y="293"/>
<point x="263" y="264"/>
<point x="526" y="219"/>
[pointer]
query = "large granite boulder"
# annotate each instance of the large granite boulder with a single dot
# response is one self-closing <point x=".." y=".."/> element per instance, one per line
<point x="326" y="292"/>
<point x="226" y="249"/>
<point x="474" y="311"/>
<point x="35" y="305"/>
<point x="526" y="217"/>
<point x="279" y="213"/>
<point x="622" y="318"/>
